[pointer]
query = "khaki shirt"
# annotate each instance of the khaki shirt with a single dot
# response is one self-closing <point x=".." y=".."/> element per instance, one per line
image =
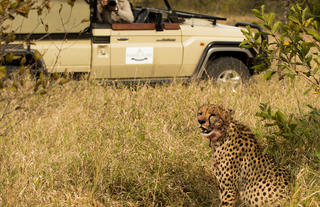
<point x="124" y="14"/>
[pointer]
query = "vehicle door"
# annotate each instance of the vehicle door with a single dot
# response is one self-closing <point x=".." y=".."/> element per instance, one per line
<point x="100" y="67"/>
<point x="142" y="51"/>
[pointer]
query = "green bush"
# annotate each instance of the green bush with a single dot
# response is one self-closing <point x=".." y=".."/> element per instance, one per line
<point x="294" y="47"/>
<point x="296" y="136"/>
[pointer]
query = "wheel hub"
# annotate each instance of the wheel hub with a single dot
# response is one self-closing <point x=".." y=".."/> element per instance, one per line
<point x="229" y="76"/>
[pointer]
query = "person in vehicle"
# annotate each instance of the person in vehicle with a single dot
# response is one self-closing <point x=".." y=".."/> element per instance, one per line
<point x="114" y="11"/>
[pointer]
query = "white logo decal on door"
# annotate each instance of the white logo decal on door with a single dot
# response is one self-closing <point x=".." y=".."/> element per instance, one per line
<point x="139" y="55"/>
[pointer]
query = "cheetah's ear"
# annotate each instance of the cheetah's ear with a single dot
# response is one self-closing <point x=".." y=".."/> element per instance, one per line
<point x="231" y="112"/>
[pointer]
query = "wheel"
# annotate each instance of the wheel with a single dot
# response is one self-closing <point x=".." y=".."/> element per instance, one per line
<point x="227" y="70"/>
<point x="34" y="71"/>
<point x="12" y="68"/>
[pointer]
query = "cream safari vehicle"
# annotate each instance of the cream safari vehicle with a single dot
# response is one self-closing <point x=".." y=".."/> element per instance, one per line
<point x="161" y="45"/>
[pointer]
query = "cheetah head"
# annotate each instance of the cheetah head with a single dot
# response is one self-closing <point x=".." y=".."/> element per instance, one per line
<point x="213" y="120"/>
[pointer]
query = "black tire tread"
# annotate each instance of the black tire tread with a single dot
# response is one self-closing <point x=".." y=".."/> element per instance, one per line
<point x="217" y="66"/>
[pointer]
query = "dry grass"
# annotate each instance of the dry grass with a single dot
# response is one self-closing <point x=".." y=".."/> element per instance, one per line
<point x="88" y="145"/>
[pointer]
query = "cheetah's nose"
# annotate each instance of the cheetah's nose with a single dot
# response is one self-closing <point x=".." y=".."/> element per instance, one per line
<point x="201" y="121"/>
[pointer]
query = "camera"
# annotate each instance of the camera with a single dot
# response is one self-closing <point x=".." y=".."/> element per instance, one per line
<point x="112" y="3"/>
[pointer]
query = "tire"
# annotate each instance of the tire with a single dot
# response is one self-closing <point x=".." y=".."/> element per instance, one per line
<point x="227" y="70"/>
<point x="35" y="72"/>
<point x="11" y="68"/>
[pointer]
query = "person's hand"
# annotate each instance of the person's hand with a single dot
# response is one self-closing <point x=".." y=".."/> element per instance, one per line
<point x="104" y="2"/>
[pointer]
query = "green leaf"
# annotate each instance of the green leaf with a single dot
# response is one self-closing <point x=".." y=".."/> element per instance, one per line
<point x="260" y="67"/>
<point x="37" y="56"/>
<point x="13" y="5"/>
<point x="280" y="117"/>
<point x="307" y="23"/>
<point x="1" y="11"/>
<point x="22" y="69"/>
<point x="268" y="75"/>
<point x="262" y="10"/>
<point x="298" y="8"/>
<point x="305" y="48"/>
<point x="270" y="19"/>
<point x="265" y="33"/>
<point x="293" y="19"/>
<point x="263" y="115"/>
<point x="247" y="35"/>
<point x="245" y="44"/>
<point x="318" y="154"/>
<point x="263" y="106"/>
<point x="304" y="14"/>
<point x="287" y="134"/>
<point x="308" y="60"/>
<point x="276" y="26"/>
<point x="3" y="72"/>
<point x="267" y="26"/>
<point x="9" y="38"/>
<point x="315" y="25"/>
<point x="291" y="76"/>
<point x="293" y="126"/>
<point x="269" y="111"/>
<point x="256" y="36"/>
<point x="9" y="57"/>
<point x="313" y="33"/>
<point x="23" y="60"/>
<point x="257" y="14"/>
<point x="43" y="80"/>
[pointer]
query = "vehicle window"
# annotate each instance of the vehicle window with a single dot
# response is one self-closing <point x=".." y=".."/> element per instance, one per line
<point x="68" y="20"/>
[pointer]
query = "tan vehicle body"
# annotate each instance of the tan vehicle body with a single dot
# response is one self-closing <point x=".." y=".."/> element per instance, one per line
<point x="125" y="52"/>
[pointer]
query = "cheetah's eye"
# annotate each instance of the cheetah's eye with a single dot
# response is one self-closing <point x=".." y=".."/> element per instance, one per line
<point x="200" y="113"/>
<point x="213" y="114"/>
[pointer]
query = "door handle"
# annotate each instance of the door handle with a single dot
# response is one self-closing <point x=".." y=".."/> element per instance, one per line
<point x="123" y="39"/>
<point x="167" y="40"/>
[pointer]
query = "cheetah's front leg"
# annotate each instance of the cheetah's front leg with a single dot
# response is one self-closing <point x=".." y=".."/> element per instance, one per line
<point x="228" y="198"/>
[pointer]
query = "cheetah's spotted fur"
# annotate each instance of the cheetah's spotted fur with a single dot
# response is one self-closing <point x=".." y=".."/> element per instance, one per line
<point x="241" y="169"/>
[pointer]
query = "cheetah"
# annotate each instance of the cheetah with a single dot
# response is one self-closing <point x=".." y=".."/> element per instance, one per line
<point x="241" y="170"/>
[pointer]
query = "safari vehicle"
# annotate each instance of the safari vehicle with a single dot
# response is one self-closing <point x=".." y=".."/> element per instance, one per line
<point x="161" y="45"/>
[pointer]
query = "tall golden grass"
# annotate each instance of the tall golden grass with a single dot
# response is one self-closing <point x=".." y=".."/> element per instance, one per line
<point x="83" y="144"/>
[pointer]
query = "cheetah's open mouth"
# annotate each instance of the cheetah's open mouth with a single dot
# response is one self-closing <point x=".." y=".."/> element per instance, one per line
<point x="206" y="132"/>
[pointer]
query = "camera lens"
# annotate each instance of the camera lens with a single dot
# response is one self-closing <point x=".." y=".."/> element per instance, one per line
<point x="112" y="3"/>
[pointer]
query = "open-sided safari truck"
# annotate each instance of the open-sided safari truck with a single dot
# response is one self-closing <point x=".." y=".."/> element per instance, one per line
<point x="161" y="45"/>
